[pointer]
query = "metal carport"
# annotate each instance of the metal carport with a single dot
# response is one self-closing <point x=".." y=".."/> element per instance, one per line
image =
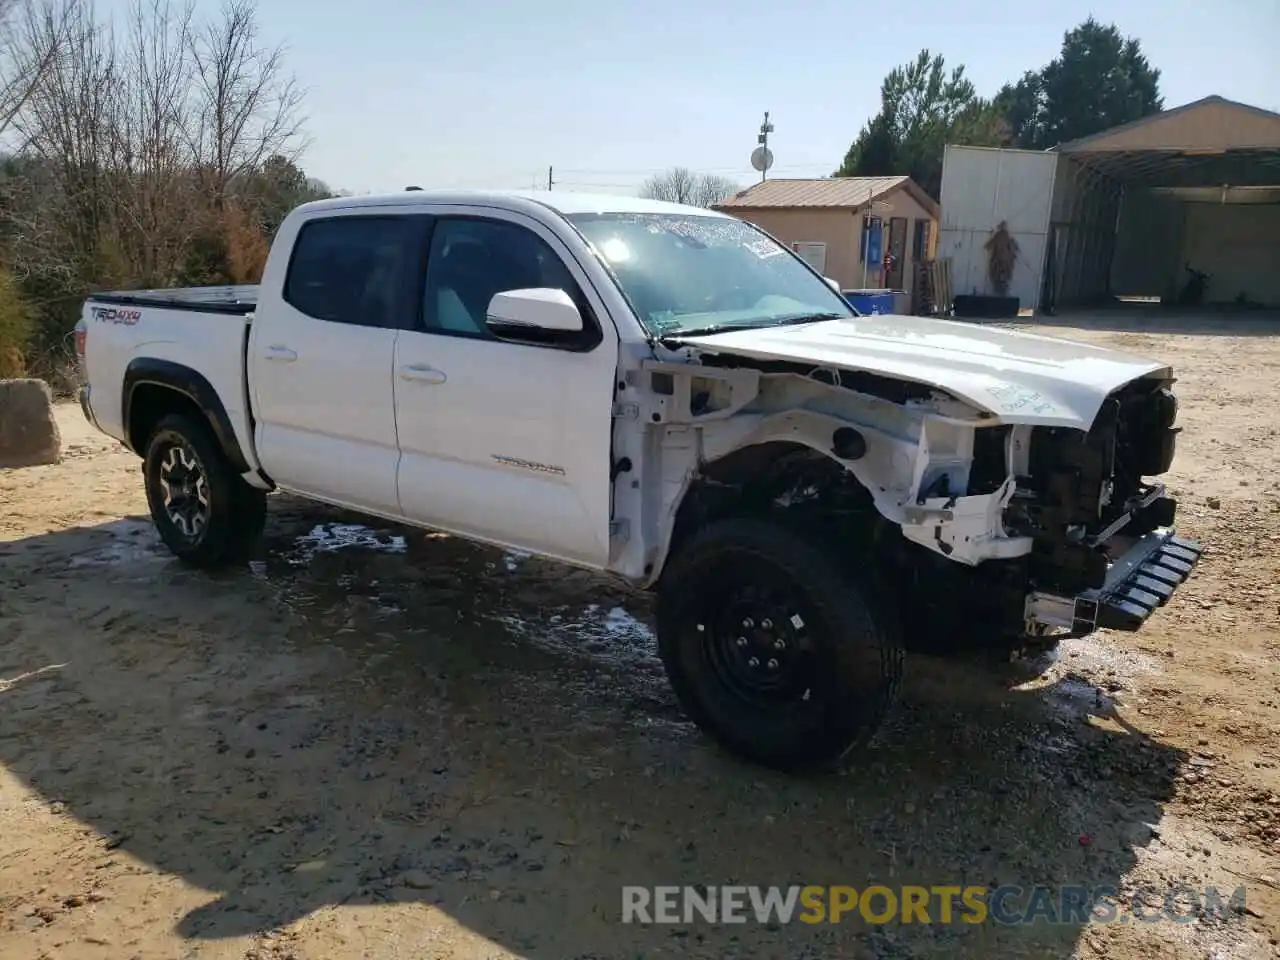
<point x="1198" y="184"/>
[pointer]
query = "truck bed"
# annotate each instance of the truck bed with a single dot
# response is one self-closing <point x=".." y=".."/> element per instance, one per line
<point x="240" y="299"/>
<point x="195" y="340"/>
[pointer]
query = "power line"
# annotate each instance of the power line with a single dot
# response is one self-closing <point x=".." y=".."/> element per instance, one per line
<point x="823" y="164"/>
<point x="609" y="179"/>
<point x="596" y="183"/>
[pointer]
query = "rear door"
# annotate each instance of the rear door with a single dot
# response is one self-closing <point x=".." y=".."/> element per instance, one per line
<point x="320" y="357"/>
<point x="508" y="443"/>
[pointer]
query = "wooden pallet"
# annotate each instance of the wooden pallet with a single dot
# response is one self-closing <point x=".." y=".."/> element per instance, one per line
<point x="933" y="287"/>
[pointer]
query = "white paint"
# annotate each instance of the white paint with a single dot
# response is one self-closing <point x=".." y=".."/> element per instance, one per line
<point x="982" y="186"/>
<point x="1020" y="377"/>
<point x="326" y="422"/>
<point x="212" y="344"/>
<point x="545" y="412"/>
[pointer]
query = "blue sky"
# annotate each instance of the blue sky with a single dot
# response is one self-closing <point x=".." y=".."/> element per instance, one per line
<point x="489" y="93"/>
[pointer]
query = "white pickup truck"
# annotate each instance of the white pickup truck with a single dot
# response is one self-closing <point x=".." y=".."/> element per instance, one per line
<point x="668" y="395"/>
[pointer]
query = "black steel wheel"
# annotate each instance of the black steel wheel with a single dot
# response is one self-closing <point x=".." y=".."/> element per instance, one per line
<point x="204" y="512"/>
<point x="758" y="643"/>
<point x="772" y="647"/>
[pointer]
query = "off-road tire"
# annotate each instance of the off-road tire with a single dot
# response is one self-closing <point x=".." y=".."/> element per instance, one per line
<point x="234" y="513"/>
<point x="852" y="653"/>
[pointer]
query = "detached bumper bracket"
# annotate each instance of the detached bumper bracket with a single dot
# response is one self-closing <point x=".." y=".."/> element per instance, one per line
<point x="1136" y="585"/>
<point x="1143" y="580"/>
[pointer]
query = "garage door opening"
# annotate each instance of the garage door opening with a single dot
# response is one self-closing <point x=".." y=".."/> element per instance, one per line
<point x="1181" y="209"/>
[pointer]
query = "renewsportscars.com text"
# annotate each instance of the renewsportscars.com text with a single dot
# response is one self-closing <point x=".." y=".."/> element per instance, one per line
<point x="941" y="903"/>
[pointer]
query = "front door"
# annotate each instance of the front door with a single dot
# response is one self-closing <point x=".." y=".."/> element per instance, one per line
<point x="320" y="356"/>
<point x="502" y="442"/>
<point x="897" y="252"/>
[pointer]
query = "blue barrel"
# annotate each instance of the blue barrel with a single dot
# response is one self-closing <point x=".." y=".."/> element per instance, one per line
<point x="869" y="301"/>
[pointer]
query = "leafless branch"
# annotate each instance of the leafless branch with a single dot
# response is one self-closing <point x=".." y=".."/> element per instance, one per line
<point x="154" y="207"/>
<point x="150" y="149"/>
<point x="32" y="36"/>
<point x="249" y="107"/>
<point x="681" y="185"/>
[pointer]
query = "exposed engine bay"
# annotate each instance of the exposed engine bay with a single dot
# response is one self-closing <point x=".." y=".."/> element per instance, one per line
<point x="1015" y="530"/>
<point x="1080" y="490"/>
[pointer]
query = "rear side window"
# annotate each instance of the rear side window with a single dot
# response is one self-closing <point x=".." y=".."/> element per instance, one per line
<point x="357" y="270"/>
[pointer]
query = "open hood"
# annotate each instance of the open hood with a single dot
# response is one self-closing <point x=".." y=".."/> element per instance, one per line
<point x="1019" y="377"/>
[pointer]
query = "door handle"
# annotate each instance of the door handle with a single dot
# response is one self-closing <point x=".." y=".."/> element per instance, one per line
<point x="280" y="352"/>
<point x="421" y="373"/>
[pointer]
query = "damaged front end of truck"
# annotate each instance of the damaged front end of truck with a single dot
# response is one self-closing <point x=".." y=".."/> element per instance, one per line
<point x="1001" y="513"/>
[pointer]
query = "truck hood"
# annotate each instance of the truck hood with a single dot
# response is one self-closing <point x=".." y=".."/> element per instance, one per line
<point x="1019" y="377"/>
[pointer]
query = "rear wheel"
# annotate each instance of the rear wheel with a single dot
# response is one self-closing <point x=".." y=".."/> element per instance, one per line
<point x="204" y="512"/>
<point x="772" y="646"/>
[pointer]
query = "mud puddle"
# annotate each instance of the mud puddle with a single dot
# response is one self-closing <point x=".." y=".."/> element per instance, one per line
<point x="399" y="600"/>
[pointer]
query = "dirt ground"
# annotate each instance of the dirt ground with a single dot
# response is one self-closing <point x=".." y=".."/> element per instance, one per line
<point x="384" y="744"/>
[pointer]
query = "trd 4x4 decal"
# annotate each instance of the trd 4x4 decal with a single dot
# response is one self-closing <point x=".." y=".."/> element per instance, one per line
<point x="118" y="315"/>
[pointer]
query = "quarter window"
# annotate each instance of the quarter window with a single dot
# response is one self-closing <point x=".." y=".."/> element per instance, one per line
<point x="356" y="270"/>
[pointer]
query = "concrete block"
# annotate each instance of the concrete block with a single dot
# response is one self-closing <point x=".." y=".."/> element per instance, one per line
<point x="29" y="434"/>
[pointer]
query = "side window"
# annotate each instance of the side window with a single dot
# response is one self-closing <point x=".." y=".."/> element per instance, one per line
<point x="473" y="259"/>
<point x="355" y="270"/>
<point x="920" y="240"/>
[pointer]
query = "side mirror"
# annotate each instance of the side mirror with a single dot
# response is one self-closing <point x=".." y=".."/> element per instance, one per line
<point x="515" y="313"/>
<point x="833" y="284"/>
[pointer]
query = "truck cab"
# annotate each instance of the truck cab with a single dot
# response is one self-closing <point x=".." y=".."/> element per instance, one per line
<point x="378" y="384"/>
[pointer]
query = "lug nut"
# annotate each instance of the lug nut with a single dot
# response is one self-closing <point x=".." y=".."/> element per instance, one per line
<point x="773" y="664"/>
<point x="742" y="641"/>
<point x="779" y="644"/>
<point x="754" y="662"/>
<point x="748" y="623"/>
<point x="766" y="624"/>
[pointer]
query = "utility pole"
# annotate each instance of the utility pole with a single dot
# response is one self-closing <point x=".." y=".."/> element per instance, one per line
<point x="549" y="180"/>
<point x="766" y="128"/>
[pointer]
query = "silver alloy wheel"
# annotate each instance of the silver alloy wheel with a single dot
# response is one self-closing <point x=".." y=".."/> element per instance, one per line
<point x="186" y="491"/>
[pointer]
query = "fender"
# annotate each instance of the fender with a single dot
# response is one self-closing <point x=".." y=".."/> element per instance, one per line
<point x="193" y="386"/>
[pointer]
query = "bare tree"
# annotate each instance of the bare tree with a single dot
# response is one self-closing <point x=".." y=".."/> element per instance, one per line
<point x="155" y="209"/>
<point x="64" y="126"/>
<point x="137" y="149"/>
<point x="27" y="50"/>
<point x="682" y="185"/>
<point x="248" y="107"/>
<point x="675" y="185"/>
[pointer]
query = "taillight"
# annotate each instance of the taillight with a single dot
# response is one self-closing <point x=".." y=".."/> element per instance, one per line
<point x="82" y="338"/>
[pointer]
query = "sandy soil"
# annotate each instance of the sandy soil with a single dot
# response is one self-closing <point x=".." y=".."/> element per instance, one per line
<point x="383" y="744"/>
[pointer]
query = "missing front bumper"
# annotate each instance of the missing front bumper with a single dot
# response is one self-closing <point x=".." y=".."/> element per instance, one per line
<point x="1140" y="581"/>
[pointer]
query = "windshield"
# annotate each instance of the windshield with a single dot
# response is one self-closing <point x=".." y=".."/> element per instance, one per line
<point x="688" y="274"/>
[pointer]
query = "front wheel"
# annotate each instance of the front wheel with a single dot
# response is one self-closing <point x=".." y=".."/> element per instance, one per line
<point x="204" y="512"/>
<point x="772" y="646"/>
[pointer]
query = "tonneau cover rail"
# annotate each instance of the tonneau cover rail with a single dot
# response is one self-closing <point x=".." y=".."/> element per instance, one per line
<point x="237" y="299"/>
